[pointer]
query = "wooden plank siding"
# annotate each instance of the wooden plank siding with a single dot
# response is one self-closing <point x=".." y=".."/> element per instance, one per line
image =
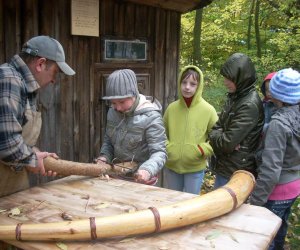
<point x="73" y="113"/>
<point x="2" y="55"/>
<point x="174" y="5"/>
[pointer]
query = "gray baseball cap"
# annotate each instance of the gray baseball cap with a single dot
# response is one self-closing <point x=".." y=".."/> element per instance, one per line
<point x="45" y="46"/>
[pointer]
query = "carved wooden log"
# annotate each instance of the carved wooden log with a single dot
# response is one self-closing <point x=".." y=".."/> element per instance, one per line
<point x="66" y="168"/>
<point x="198" y="209"/>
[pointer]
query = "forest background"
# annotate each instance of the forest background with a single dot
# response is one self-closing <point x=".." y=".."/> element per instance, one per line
<point x="268" y="31"/>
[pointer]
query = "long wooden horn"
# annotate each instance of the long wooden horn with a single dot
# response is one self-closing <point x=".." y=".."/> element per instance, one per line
<point x="195" y="210"/>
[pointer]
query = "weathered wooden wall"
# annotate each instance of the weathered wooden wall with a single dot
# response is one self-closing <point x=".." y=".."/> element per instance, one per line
<point x="73" y="113"/>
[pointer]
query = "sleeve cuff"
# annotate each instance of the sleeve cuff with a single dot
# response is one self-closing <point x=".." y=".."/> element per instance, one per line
<point x="201" y="150"/>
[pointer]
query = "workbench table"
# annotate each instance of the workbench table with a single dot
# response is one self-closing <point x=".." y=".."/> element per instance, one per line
<point x="248" y="227"/>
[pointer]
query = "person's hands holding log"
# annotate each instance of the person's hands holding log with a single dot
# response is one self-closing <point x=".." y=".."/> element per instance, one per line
<point x="40" y="168"/>
<point x="142" y="176"/>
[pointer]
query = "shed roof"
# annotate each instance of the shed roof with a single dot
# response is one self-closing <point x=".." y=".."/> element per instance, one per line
<point x="181" y="6"/>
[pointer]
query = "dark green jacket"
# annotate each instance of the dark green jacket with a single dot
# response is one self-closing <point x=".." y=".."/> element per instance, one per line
<point x="241" y="120"/>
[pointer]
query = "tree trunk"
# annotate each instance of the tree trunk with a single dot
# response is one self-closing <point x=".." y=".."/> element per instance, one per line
<point x="197" y="57"/>
<point x="257" y="35"/>
<point x="250" y="24"/>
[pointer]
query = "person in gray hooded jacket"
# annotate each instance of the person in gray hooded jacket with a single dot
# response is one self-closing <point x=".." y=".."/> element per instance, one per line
<point x="134" y="129"/>
<point x="278" y="182"/>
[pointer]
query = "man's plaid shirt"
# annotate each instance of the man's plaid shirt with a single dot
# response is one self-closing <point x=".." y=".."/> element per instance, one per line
<point x="17" y="84"/>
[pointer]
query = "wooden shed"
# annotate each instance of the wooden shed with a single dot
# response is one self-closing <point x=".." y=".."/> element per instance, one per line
<point x="73" y="112"/>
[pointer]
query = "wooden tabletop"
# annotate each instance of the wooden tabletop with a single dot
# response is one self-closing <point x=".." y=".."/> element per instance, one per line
<point x="248" y="227"/>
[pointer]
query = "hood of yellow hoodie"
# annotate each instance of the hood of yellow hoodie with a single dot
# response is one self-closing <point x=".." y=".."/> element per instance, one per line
<point x="198" y="95"/>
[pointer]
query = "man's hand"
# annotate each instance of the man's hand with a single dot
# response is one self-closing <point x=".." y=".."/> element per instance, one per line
<point x="40" y="167"/>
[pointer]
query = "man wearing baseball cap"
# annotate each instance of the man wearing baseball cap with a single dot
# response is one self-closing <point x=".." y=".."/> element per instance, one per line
<point x="38" y="64"/>
<point x="49" y="48"/>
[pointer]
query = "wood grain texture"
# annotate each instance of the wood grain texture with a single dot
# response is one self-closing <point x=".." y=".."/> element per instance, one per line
<point x="135" y="220"/>
<point x="67" y="168"/>
<point x="248" y="227"/>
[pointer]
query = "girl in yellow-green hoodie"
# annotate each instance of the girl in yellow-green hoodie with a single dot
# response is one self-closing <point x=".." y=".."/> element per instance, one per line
<point x="188" y="121"/>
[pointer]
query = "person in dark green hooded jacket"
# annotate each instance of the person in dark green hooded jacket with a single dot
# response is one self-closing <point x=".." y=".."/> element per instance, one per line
<point x="236" y="135"/>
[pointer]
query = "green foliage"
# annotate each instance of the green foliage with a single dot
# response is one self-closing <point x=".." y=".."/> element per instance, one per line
<point x="224" y="31"/>
<point x="293" y="236"/>
<point x="214" y="90"/>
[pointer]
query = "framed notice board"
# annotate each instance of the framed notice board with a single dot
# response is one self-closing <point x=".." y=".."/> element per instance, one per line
<point x="85" y="17"/>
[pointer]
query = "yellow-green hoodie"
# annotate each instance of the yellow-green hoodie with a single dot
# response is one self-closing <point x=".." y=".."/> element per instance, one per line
<point x="187" y="130"/>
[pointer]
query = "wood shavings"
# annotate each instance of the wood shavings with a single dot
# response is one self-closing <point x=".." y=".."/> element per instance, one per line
<point x="35" y="207"/>
<point x="104" y="177"/>
<point x="164" y="248"/>
<point x="87" y="203"/>
<point x="16" y="213"/>
<point x="127" y="240"/>
<point x="101" y="205"/>
<point x="130" y="210"/>
<point x="233" y="238"/>
<point x="62" y="246"/>
<point x="213" y="235"/>
<point x="66" y="216"/>
<point x="85" y="197"/>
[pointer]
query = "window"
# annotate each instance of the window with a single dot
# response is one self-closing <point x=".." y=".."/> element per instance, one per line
<point x="134" y="50"/>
